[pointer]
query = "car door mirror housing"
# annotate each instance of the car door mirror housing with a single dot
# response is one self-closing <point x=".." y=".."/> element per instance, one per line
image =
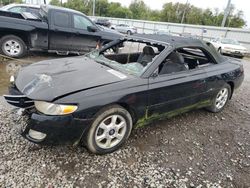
<point x="92" y="28"/>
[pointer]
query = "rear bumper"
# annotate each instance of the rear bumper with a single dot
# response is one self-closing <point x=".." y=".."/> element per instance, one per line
<point x="58" y="129"/>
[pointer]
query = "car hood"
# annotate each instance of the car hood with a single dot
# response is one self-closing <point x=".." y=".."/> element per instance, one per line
<point x="48" y="80"/>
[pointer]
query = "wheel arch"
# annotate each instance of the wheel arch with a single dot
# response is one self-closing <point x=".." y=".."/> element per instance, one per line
<point x="124" y="105"/>
<point x="21" y="35"/>
<point x="232" y="88"/>
<point x="130" y="109"/>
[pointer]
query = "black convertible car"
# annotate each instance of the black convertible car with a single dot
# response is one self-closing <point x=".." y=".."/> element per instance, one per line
<point x="98" y="98"/>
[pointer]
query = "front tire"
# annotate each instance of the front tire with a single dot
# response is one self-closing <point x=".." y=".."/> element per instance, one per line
<point x="221" y="99"/>
<point x="110" y="129"/>
<point x="12" y="46"/>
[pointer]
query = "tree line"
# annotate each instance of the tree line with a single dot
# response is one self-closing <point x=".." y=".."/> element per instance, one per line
<point x="171" y="12"/>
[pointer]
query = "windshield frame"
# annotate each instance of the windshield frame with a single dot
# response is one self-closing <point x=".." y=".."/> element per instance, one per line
<point x="119" y="42"/>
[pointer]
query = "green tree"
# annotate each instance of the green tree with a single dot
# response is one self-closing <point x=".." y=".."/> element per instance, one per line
<point x="55" y="2"/>
<point x="193" y="15"/>
<point x="139" y="9"/>
<point x="116" y="10"/>
<point x="6" y="2"/>
<point x="101" y="8"/>
<point x="80" y="5"/>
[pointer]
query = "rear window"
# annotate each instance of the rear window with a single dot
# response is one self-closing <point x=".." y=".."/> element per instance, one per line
<point x="61" y="19"/>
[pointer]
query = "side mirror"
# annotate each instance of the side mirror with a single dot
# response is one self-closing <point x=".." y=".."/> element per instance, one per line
<point x="92" y="28"/>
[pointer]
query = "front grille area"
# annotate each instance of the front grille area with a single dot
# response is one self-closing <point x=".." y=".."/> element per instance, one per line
<point x="20" y="101"/>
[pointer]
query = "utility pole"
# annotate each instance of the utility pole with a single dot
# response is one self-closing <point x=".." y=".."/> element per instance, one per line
<point x="226" y="13"/>
<point x="93" y="7"/>
<point x="184" y="12"/>
<point x="177" y="11"/>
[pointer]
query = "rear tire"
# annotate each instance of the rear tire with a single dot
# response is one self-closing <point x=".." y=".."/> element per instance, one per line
<point x="13" y="46"/>
<point x="220" y="99"/>
<point x="110" y="129"/>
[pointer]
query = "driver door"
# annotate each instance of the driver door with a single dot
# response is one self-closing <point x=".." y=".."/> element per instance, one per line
<point x="83" y="40"/>
<point x="177" y="92"/>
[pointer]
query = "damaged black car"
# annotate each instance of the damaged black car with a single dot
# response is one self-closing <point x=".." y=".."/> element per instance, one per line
<point x="97" y="99"/>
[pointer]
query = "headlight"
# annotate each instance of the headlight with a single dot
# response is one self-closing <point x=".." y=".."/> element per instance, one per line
<point x="54" y="109"/>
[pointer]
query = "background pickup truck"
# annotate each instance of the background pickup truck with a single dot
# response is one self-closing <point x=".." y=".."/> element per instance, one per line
<point x="55" y="29"/>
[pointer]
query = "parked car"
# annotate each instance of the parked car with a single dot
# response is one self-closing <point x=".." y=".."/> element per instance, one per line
<point x="103" y="22"/>
<point x="124" y="28"/>
<point x="96" y="99"/>
<point x="108" y="30"/>
<point x="189" y="35"/>
<point x="19" y="8"/>
<point x="57" y="30"/>
<point x="229" y="47"/>
<point x="163" y="32"/>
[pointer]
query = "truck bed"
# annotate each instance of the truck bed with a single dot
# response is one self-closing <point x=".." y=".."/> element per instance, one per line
<point x="16" y="21"/>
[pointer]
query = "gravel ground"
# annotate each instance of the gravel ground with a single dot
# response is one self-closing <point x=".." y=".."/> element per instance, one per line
<point x="196" y="149"/>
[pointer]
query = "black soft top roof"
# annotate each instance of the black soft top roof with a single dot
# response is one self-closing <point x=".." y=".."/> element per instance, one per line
<point x="175" y="41"/>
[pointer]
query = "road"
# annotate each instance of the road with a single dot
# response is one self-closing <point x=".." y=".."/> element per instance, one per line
<point x="195" y="149"/>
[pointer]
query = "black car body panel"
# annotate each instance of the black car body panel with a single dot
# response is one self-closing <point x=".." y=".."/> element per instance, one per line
<point x="46" y="80"/>
<point x="54" y="33"/>
<point x="59" y="130"/>
<point x="91" y="86"/>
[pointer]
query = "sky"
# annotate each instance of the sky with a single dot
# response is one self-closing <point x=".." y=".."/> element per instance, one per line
<point x="243" y="5"/>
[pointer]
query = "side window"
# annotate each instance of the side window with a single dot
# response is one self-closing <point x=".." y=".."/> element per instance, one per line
<point x="174" y="62"/>
<point x="196" y="57"/>
<point x="81" y="22"/>
<point x="183" y="59"/>
<point x="61" y="19"/>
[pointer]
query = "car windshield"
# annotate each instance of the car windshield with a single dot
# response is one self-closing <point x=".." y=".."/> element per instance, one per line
<point x="230" y="41"/>
<point x="132" y="58"/>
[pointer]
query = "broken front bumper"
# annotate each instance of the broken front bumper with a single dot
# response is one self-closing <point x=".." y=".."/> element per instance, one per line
<point x="54" y="130"/>
<point x="46" y="129"/>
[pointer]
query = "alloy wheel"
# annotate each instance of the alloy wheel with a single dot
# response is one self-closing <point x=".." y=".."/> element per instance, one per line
<point x="110" y="132"/>
<point x="221" y="98"/>
<point x="12" y="47"/>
